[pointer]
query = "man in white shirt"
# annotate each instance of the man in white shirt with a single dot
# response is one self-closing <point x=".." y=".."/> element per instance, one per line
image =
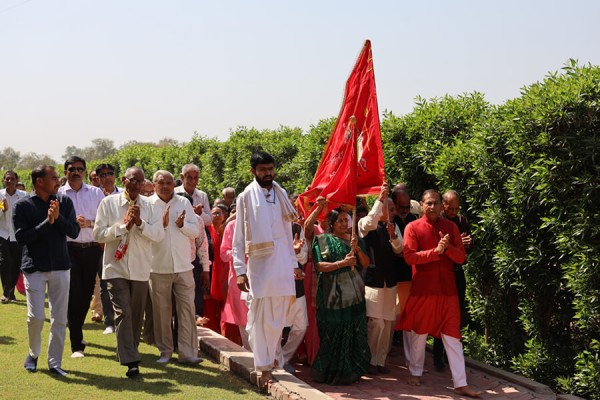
<point x="263" y="234"/>
<point x="10" y="251"/>
<point x="172" y="273"/>
<point x="85" y="253"/>
<point x="127" y="226"/>
<point x="189" y="176"/>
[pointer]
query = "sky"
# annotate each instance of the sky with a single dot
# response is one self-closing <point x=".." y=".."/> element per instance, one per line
<point x="75" y="70"/>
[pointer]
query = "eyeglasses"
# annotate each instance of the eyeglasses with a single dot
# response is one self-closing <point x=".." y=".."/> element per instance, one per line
<point x="105" y="174"/>
<point x="403" y="207"/>
<point x="73" y="169"/>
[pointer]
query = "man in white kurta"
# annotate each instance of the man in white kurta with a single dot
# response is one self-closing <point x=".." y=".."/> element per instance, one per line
<point x="263" y="234"/>
<point x="171" y="275"/>
<point x="127" y="219"/>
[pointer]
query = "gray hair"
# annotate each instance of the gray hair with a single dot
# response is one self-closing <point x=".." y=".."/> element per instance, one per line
<point x="161" y="172"/>
<point x="189" y="167"/>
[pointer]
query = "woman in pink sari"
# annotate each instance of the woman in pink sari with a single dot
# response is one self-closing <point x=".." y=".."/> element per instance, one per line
<point x="235" y="312"/>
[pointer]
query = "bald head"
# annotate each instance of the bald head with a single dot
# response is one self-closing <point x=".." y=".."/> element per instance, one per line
<point x="451" y="203"/>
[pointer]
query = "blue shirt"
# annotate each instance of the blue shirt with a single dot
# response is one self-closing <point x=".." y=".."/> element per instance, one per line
<point x="44" y="244"/>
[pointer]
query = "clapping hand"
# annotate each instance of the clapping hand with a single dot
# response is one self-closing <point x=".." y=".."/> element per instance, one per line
<point x="443" y="243"/>
<point x="180" y="219"/>
<point x="53" y="211"/>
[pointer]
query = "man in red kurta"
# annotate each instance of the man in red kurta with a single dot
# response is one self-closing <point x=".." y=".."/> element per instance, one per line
<point x="432" y="245"/>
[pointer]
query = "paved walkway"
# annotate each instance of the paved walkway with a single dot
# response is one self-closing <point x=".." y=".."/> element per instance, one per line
<point x="492" y="382"/>
<point x="435" y="385"/>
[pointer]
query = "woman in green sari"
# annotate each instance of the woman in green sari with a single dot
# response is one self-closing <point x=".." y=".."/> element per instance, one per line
<point x="341" y="314"/>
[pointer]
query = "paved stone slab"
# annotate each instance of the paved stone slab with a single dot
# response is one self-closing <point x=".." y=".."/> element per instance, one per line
<point x="494" y="384"/>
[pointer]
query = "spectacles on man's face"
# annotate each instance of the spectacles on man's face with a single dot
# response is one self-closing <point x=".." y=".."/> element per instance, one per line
<point x="73" y="169"/>
<point x="105" y="174"/>
<point x="403" y="207"/>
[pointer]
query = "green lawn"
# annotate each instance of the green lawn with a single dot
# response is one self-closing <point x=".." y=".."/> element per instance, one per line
<point x="98" y="375"/>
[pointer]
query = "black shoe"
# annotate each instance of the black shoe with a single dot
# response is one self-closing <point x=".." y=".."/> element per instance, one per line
<point x="58" y="371"/>
<point x="383" y="370"/>
<point x="30" y="363"/>
<point x="372" y="370"/>
<point x="132" y="370"/>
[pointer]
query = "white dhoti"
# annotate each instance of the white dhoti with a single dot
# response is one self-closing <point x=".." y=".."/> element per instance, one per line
<point x="297" y="320"/>
<point x="266" y="319"/>
<point x="381" y="311"/>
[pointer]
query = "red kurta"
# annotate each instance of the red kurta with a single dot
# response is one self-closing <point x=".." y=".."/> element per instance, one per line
<point x="432" y="307"/>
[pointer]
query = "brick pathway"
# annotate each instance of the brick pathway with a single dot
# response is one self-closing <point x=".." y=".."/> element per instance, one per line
<point x="435" y="385"/>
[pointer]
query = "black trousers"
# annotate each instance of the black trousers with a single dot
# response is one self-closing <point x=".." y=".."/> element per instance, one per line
<point x="10" y="266"/>
<point x="84" y="267"/>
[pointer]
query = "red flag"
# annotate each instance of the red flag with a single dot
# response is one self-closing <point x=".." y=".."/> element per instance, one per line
<point x="352" y="162"/>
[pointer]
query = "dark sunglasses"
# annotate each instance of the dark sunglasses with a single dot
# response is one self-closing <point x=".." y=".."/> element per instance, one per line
<point x="73" y="169"/>
<point x="105" y="174"/>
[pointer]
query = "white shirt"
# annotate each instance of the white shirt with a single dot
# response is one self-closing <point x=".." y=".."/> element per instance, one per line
<point x="109" y="228"/>
<point x="172" y="254"/>
<point x="7" y="228"/>
<point x="199" y="197"/>
<point x="271" y="275"/>
<point x="86" y="201"/>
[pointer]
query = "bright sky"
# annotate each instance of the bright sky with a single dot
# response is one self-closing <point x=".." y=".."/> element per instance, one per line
<point x="75" y="70"/>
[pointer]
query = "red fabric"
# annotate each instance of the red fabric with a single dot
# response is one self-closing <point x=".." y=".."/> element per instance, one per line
<point x="352" y="162"/>
<point x="433" y="274"/>
<point x="218" y="279"/>
<point x="231" y="332"/>
<point x="432" y="306"/>
<point x="212" y="311"/>
<point x="20" y="285"/>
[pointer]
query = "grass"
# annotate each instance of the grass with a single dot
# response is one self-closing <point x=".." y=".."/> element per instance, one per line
<point x="98" y="375"/>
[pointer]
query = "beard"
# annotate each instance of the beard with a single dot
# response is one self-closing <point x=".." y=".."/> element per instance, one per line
<point x="266" y="182"/>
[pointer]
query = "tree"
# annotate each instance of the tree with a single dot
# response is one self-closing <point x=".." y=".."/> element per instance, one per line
<point x="32" y="160"/>
<point x="9" y="158"/>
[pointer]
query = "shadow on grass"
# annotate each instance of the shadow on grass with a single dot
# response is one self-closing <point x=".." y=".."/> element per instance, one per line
<point x="155" y="378"/>
<point x="159" y="379"/>
<point x="7" y="340"/>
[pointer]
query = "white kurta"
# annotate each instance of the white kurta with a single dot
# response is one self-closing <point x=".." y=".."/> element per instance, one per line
<point x="271" y="280"/>
<point x="109" y="228"/>
<point x="171" y="254"/>
<point x="271" y="275"/>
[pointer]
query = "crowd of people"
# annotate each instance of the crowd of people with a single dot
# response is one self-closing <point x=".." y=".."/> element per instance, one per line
<point x="155" y="260"/>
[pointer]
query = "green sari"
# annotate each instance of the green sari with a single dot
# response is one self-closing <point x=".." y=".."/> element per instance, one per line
<point x="341" y="317"/>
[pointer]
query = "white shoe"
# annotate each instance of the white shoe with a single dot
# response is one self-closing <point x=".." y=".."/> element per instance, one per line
<point x="164" y="358"/>
<point x="77" y="354"/>
<point x="109" y="330"/>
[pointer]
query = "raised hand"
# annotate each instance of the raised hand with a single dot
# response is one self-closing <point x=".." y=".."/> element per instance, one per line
<point x="443" y="243"/>
<point x="165" y="216"/>
<point x="298" y="243"/>
<point x="180" y="219"/>
<point x="53" y="211"/>
<point x="384" y="191"/>
<point x="198" y="209"/>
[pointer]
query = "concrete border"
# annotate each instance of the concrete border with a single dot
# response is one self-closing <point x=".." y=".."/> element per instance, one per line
<point x="240" y="361"/>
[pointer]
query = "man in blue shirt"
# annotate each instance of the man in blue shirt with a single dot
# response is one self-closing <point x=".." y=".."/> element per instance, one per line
<point x="42" y="223"/>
